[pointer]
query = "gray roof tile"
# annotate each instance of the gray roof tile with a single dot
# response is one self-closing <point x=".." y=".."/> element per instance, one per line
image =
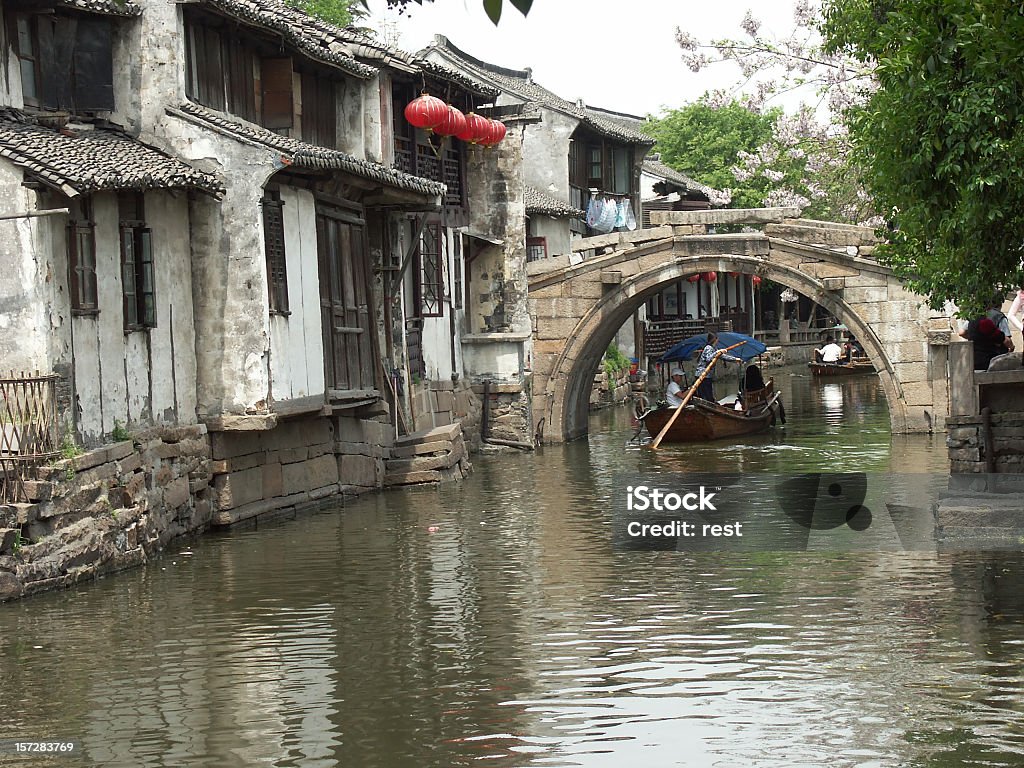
<point x="545" y="205"/>
<point x="82" y="161"/>
<point x="520" y="83"/>
<point x="315" y="38"/>
<point x="111" y="7"/>
<point x="655" y="167"/>
<point x="305" y="155"/>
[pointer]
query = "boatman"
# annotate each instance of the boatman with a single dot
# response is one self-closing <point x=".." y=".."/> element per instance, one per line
<point x="675" y="388"/>
<point x="706" y="389"/>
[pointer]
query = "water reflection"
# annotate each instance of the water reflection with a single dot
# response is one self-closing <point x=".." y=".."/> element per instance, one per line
<point x="490" y="622"/>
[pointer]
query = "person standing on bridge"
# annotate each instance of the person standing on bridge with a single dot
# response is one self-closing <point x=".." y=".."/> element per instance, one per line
<point x="706" y="389"/>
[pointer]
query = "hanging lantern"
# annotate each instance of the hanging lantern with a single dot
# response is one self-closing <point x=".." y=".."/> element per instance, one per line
<point x="495" y="134"/>
<point x="710" y="277"/>
<point x="734" y="274"/>
<point x="477" y="129"/>
<point x="426" y="112"/>
<point x="453" y="124"/>
<point x="756" y="280"/>
<point x="693" y="278"/>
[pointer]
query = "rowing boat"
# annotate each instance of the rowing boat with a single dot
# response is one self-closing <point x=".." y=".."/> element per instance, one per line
<point x="702" y="420"/>
<point x="841" y="369"/>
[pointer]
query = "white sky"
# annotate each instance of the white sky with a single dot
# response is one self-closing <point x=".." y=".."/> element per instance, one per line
<point x="618" y="55"/>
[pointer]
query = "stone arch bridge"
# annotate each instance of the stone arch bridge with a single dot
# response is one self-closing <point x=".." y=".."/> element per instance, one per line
<point x="576" y="309"/>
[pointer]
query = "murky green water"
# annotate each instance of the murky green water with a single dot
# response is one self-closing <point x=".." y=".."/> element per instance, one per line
<point x="513" y="635"/>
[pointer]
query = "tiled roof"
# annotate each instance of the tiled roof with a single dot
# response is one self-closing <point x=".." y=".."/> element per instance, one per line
<point x="111" y="7"/>
<point x="654" y="167"/>
<point x="545" y="205"/>
<point x="366" y="47"/>
<point x="305" y="155"/>
<point x="82" y="161"/>
<point x="317" y="39"/>
<point x="520" y="83"/>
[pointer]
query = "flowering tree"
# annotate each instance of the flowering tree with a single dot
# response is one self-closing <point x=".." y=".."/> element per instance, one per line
<point x="802" y="161"/>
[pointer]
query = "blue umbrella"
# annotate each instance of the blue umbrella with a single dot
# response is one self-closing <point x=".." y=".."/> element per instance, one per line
<point x="686" y="348"/>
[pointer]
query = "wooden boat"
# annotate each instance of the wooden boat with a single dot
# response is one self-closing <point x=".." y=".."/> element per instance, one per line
<point x="702" y="420"/>
<point x="841" y="369"/>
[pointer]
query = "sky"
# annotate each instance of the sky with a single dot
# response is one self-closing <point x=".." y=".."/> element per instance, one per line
<point x="616" y="55"/>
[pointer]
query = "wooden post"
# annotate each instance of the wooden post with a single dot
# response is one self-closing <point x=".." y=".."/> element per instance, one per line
<point x="689" y="394"/>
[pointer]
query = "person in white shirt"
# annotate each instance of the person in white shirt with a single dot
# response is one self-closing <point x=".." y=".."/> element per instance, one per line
<point x="675" y="389"/>
<point x="830" y="353"/>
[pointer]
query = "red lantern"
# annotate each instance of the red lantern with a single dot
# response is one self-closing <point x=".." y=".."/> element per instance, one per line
<point x="710" y="277"/>
<point x="477" y="129"/>
<point x="426" y="112"/>
<point x="453" y="124"/>
<point x="693" y="278"/>
<point x="734" y="274"/>
<point x="496" y="132"/>
<point x="756" y="280"/>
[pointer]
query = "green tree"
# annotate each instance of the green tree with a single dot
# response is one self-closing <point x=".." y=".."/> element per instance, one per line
<point x="341" y="13"/>
<point x="940" y="137"/>
<point x="705" y="141"/>
<point x="493" y="8"/>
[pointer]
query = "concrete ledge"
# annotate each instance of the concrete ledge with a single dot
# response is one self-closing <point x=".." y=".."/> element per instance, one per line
<point x="246" y="423"/>
<point x="726" y="216"/>
<point x="490" y="338"/>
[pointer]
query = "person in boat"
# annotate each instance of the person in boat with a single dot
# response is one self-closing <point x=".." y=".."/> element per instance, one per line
<point x="674" y="393"/>
<point x="706" y="389"/>
<point x="753" y="381"/>
<point x="830" y="353"/>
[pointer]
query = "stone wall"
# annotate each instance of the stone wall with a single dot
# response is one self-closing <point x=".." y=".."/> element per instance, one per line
<point x="609" y="390"/>
<point x="967" y="444"/>
<point x="440" y="403"/>
<point x="509" y="412"/>
<point x="106" y="510"/>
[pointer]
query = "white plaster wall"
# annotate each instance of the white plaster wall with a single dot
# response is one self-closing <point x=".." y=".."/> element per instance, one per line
<point x="546" y="153"/>
<point x="157" y="63"/>
<point x="296" y="340"/>
<point x="437" y="331"/>
<point x="555" y="230"/>
<point x="30" y="316"/>
<point x="11" y="95"/>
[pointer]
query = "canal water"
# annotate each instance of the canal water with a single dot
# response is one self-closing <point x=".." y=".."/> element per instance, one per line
<point x="490" y="623"/>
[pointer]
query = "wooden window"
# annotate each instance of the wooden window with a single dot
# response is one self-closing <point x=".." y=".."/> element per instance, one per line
<point x="137" y="279"/>
<point x="457" y="274"/>
<point x="276" y="79"/>
<point x="82" y="257"/>
<point x="241" y="81"/>
<point x="595" y="167"/>
<point x="319" y="110"/>
<point x="536" y="248"/>
<point x="28" y="57"/>
<point x="431" y="278"/>
<point x="277" y="265"/>
<point x="622" y="171"/>
<point x="205" y="64"/>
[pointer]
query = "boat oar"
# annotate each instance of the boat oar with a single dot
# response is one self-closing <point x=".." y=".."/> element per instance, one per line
<point x="689" y="394"/>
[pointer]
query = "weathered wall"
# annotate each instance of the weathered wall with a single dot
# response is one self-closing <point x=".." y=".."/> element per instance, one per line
<point x="546" y="153"/>
<point x="556" y="231"/>
<point x="31" y="317"/>
<point x="106" y="510"/>
<point x="969" y="450"/>
<point x="144" y="377"/>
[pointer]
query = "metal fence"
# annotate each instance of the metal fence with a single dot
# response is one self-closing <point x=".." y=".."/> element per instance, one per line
<point x="28" y="429"/>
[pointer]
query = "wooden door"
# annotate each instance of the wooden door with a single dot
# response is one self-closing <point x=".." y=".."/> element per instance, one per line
<point x="346" y="319"/>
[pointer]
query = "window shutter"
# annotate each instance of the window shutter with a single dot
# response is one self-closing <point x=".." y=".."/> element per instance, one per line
<point x="94" y="66"/>
<point x="147" y="281"/>
<point x="276" y="78"/>
<point x="129" y="281"/>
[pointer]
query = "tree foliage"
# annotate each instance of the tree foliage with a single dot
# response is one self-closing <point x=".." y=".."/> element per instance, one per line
<point x="941" y="137"/>
<point x="762" y="157"/>
<point x="341" y="13"/>
<point x="492" y="8"/>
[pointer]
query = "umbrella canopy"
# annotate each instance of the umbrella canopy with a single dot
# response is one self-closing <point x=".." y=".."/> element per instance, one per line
<point x="686" y="348"/>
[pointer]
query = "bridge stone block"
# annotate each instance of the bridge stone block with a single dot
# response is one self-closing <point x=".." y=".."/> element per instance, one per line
<point x="896" y="332"/>
<point x="642" y="235"/>
<point x="725" y="216"/>
<point x="597" y="241"/>
<point x="833" y="283"/>
<point x="586" y="287"/>
<point x="722" y="245"/>
<point x="685" y="230"/>
<point x="867" y="280"/>
<point x="552" y="291"/>
<point x="918" y="393"/>
<point x="907" y="351"/>
<point x="822" y="235"/>
<point x="556" y="328"/>
<point x="866" y="295"/>
<point x="897" y="311"/>
<point x="823" y="269"/>
<point x="908" y="373"/>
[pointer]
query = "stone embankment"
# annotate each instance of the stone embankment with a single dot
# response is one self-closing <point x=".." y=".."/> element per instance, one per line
<point x="975" y="447"/>
<point x="106" y="510"/>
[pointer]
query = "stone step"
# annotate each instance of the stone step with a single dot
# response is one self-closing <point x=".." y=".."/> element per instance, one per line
<point x="423" y="463"/>
<point x="447" y="432"/>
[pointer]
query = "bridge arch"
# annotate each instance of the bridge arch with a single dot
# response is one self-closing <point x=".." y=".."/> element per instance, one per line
<point x="573" y="331"/>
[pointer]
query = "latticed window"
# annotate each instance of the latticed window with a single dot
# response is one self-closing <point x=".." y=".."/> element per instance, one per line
<point x="138" y="283"/>
<point x="453" y="176"/>
<point x="82" y="257"/>
<point x="277" y="265"/>
<point x="536" y="248"/>
<point x="431" y="287"/>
